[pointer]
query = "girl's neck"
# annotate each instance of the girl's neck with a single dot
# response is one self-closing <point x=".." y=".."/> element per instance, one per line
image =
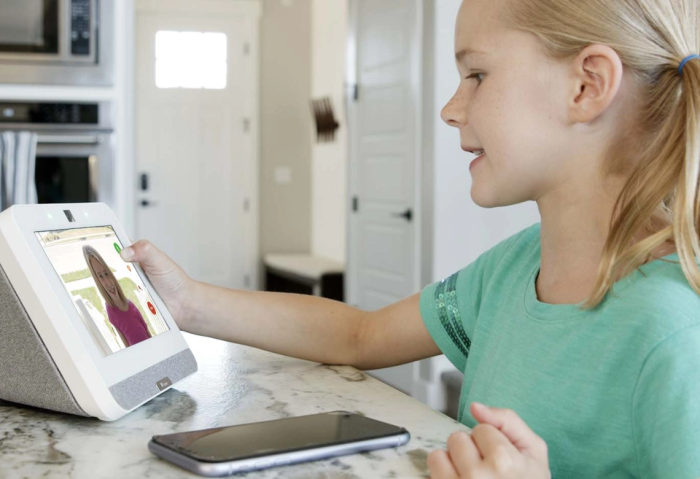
<point x="573" y="287"/>
<point x="573" y="233"/>
<point x="122" y="305"/>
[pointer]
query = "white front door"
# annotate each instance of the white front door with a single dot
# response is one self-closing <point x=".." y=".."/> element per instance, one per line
<point x="195" y="139"/>
<point x="385" y="155"/>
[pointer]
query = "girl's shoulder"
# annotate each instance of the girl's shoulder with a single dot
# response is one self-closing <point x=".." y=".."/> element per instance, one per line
<point x="502" y="267"/>
<point x="528" y="238"/>
<point x="658" y="295"/>
<point x="661" y="282"/>
<point x="513" y="258"/>
<point x="518" y="247"/>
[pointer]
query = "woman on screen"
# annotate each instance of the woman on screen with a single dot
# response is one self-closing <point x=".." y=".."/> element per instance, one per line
<point x="122" y="313"/>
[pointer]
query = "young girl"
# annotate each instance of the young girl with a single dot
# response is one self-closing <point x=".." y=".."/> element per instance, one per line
<point x="122" y="313"/>
<point x="583" y="331"/>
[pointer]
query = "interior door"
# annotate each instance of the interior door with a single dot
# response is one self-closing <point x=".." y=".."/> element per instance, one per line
<point x="195" y="153"/>
<point x="385" y="154"/>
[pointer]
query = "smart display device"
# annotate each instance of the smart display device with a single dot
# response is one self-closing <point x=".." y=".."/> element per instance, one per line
<point x="81" y="331"/>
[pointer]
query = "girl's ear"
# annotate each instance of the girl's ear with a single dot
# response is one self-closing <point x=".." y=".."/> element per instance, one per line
<point x="596" y="77"/>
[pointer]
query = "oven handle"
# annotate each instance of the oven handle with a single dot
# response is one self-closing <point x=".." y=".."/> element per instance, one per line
<point x="70" y="139"/>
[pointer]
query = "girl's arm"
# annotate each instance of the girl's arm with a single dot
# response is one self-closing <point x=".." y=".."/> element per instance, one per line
<point x="126" y="343"/>
<point x="301" y="326"/>
<point x="115" y="328"/>
<point x="140" y="318"/>
<point x="313" y="328"/>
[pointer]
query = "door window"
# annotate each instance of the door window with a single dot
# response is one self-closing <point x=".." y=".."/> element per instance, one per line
<point x="191" y="60"/>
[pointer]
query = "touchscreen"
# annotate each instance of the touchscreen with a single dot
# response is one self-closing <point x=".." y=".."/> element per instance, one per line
<point x="108" y="293"/>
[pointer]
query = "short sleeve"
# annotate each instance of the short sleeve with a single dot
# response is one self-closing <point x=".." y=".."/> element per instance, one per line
<point x="666" y="408"/>
<point x="450" y="307"/>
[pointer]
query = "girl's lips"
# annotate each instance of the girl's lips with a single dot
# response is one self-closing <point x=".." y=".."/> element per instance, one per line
<point x="471" y="165"/>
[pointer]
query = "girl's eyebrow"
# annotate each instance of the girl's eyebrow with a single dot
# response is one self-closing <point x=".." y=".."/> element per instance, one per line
<point x="465" y="52"/>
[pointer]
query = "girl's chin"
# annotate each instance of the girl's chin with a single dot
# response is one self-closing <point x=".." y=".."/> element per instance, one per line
<point x="481" y="199"/>
<point x="487" y="199"/>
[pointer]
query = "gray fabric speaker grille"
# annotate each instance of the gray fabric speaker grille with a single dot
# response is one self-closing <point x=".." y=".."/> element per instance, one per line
<point x="28" y="374"/>
<point x="132" y="391"/>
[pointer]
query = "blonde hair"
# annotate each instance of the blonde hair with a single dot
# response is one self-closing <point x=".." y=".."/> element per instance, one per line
<point x="91" y="253"/>
<point x="660" y="198"/>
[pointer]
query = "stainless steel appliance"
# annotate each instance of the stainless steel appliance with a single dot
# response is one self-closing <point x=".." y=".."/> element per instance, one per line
<point x="68" y="42"/>
<point x="74" y="159"/>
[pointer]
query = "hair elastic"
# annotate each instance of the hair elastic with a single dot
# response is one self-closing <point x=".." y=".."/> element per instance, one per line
<point x="686" y="60"/>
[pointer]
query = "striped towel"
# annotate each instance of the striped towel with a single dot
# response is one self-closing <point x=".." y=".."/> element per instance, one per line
<point x="17" y="164"/>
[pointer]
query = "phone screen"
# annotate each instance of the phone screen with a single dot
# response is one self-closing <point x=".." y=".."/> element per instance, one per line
<point x="278" y="436"/>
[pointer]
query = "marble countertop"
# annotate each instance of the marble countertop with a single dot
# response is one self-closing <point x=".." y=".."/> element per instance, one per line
<point x="235" y="384"/>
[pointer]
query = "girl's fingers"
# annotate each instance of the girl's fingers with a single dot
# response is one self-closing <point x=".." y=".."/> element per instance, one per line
<point x="441" y="466"/>
<point x="494" y="446"/>
<point x="463" y="452"/>
<point x="511" y="425"/>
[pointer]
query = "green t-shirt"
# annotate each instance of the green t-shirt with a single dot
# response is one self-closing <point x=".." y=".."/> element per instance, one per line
<point x="615" y="392"/>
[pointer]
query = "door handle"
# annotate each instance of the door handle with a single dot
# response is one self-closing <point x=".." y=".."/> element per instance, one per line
<point x="407" y="215"/>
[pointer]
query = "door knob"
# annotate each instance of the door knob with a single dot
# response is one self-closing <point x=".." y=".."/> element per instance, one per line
<point x="407" y="215"/>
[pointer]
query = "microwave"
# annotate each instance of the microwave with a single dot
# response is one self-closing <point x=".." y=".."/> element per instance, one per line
<point x="65" y="42"/>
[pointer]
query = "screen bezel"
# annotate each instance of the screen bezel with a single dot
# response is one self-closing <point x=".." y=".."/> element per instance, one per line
<point x="122" y="364"/>
<point x="393" y="431"/>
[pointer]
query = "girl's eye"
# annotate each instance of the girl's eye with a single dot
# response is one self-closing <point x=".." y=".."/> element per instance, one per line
<point x="479" y="77"/>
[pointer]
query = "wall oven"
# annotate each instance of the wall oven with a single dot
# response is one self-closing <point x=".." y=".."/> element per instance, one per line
<point x="67" y="42"/>
<point x="74" y="154"/>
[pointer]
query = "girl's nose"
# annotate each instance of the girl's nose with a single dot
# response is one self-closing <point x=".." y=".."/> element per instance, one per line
<point x="454" y="113"/>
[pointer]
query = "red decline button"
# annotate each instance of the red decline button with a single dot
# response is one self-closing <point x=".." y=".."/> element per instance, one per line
<point x="150" y="306"/>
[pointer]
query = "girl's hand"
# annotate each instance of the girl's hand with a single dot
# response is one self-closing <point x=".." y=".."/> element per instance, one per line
<point x="171" y="282"/>
<point x="501" y="447"/>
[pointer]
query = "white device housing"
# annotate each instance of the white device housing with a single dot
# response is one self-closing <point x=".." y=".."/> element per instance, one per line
<point x="105" y="387"/>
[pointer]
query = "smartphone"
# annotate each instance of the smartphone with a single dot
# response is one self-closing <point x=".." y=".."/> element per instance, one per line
<point x="251" y="447"/>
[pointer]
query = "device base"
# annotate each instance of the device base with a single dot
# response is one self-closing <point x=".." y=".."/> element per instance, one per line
<point x="28" y="374"/>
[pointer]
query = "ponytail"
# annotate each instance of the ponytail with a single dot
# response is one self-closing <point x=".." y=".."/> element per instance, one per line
<point x="686" y="212"/>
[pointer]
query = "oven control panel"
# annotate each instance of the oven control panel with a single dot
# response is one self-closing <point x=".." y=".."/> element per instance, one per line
<point x="80" y="27"/>
<point x="49" y="113"/>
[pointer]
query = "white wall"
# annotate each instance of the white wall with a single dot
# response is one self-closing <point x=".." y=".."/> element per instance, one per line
<point x="461" y="230"/>
<point x="124" y="164"/>
<point x="285" y="126"/>
<point x="329" y="160"/>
